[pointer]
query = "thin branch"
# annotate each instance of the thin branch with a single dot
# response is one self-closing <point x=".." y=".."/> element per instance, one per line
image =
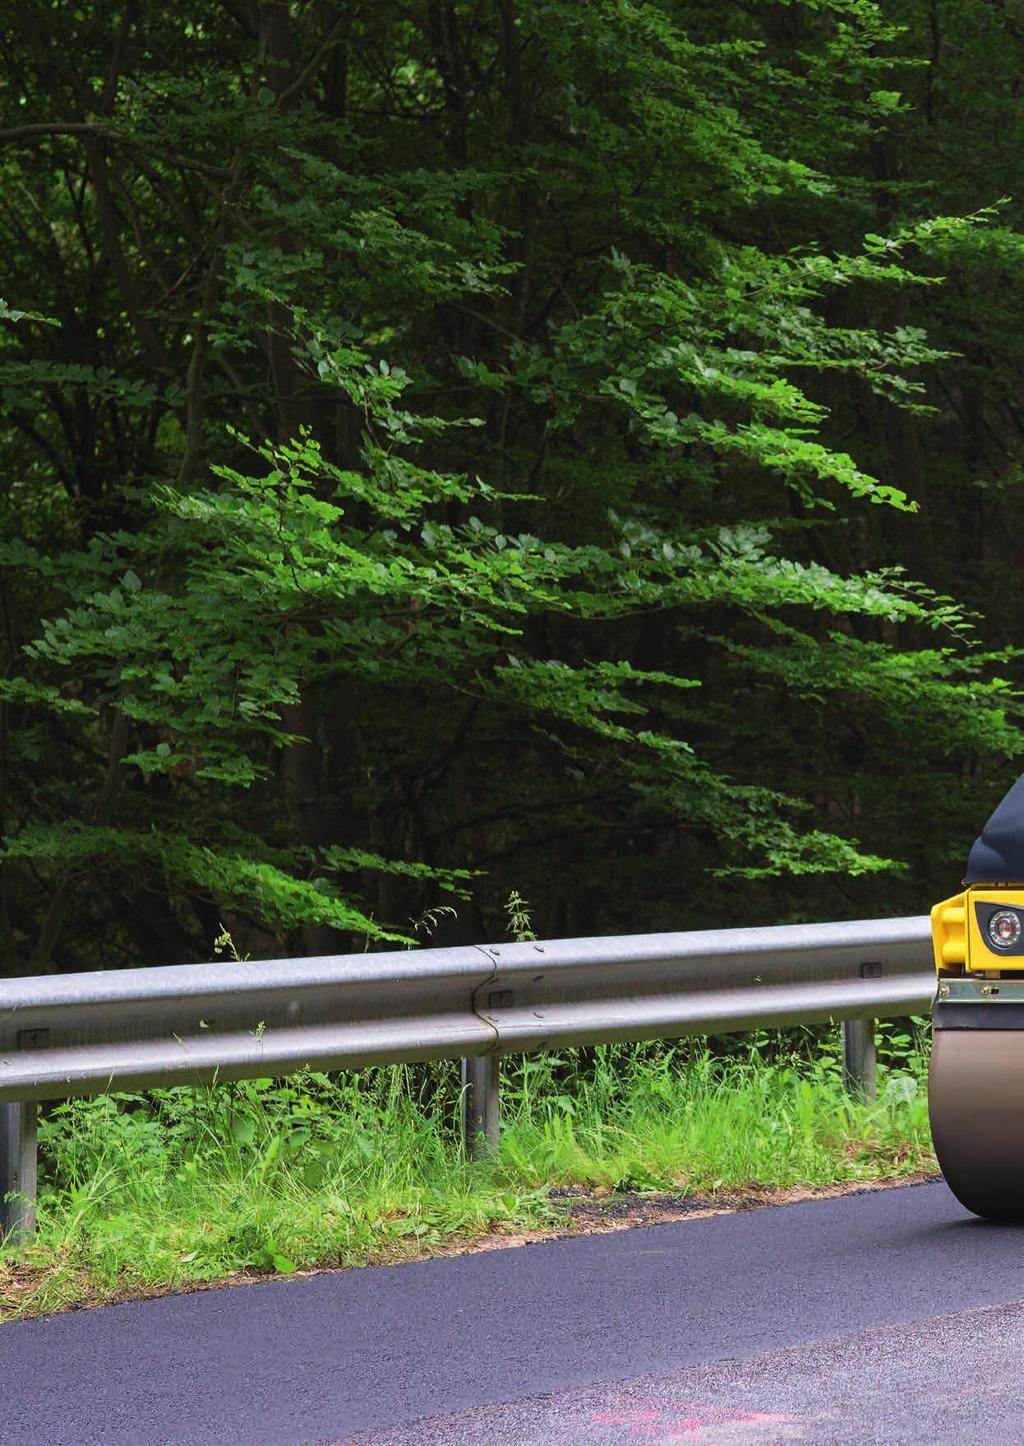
<point x="60" y="899"/>
<point x="306" y="74"/>
<point x="147" y="334"/>
<point x="99" y="131"/>
<point x="135" y="223"/>
<point x="246" y="398"/>
<point x="190" y="225"/>
<point x="109" y="93"/>
<point x="45" y="446"/>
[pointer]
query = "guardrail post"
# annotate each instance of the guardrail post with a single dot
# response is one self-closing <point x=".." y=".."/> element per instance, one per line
<point x="859" y="1057"/>
<point x="18" y="1170"/>
<point x="480" y="1107"/>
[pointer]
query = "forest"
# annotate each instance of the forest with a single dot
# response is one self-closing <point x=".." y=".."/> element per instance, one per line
<point x="462" y="451"/>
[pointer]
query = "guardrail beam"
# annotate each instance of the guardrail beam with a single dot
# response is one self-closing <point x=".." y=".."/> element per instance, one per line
<point x="127" y="1029"/>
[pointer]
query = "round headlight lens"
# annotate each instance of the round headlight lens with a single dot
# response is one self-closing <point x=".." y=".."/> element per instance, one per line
<point x="1004" y="929"/>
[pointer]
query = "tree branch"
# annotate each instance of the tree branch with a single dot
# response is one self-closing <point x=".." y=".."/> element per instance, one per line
<point x="98" y="130"/>
<point x="305" y="75"/>
<point x="146" y="332"/>
<point x="109" y="94"/>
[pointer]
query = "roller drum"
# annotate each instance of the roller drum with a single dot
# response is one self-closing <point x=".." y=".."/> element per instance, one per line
<point x="976" y="1108"/>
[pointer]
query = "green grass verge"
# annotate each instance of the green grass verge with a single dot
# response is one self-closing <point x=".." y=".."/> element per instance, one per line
<point x="143" y="1193"/>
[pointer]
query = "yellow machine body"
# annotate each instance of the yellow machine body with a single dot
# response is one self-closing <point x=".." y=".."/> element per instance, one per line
<point x="976" y="1076"/>
<point x="958" y="941"/>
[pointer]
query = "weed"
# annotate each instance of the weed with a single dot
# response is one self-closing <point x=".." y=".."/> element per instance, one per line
<point x="520" y="919"/>
<point x="428" y="921"/>
<point x="224" y="944"/>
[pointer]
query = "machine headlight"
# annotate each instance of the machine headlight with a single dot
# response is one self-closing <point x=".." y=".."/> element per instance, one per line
<point x="1004" y="929"/>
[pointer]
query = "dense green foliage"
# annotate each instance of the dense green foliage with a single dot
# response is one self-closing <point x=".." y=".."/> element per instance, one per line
<point x="462" y="445"/>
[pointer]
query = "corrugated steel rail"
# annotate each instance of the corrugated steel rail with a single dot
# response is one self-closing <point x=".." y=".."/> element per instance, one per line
<point x="78" y="1034"/>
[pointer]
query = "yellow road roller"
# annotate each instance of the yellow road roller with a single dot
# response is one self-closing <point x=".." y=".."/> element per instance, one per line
<point x="976" y="1081"/>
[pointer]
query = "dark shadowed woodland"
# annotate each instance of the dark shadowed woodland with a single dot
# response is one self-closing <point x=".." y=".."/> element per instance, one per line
<point x="462" y="447"/>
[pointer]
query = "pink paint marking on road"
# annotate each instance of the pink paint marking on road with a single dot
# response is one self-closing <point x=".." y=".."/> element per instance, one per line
<point x="646" y="1419"/>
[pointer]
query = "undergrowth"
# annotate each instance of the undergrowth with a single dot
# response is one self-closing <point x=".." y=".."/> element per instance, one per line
<point x="145" y="1192"/>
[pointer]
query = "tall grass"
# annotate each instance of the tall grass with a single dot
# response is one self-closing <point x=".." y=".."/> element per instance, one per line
<point x="150" y="1191"/>
<point x="669" y="1119"/>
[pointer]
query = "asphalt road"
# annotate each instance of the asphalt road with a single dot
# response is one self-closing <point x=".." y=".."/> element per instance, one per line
<point x="890" y="1316"/>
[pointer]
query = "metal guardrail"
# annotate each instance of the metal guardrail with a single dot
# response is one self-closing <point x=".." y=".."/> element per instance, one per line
<point x="80" y="1034"/>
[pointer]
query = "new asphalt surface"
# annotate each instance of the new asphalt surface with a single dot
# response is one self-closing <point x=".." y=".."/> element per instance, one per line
<point x="888" y="1316"/>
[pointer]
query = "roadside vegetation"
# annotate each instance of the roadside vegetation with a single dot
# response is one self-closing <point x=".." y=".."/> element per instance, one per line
<point x="141" y="1194"/>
